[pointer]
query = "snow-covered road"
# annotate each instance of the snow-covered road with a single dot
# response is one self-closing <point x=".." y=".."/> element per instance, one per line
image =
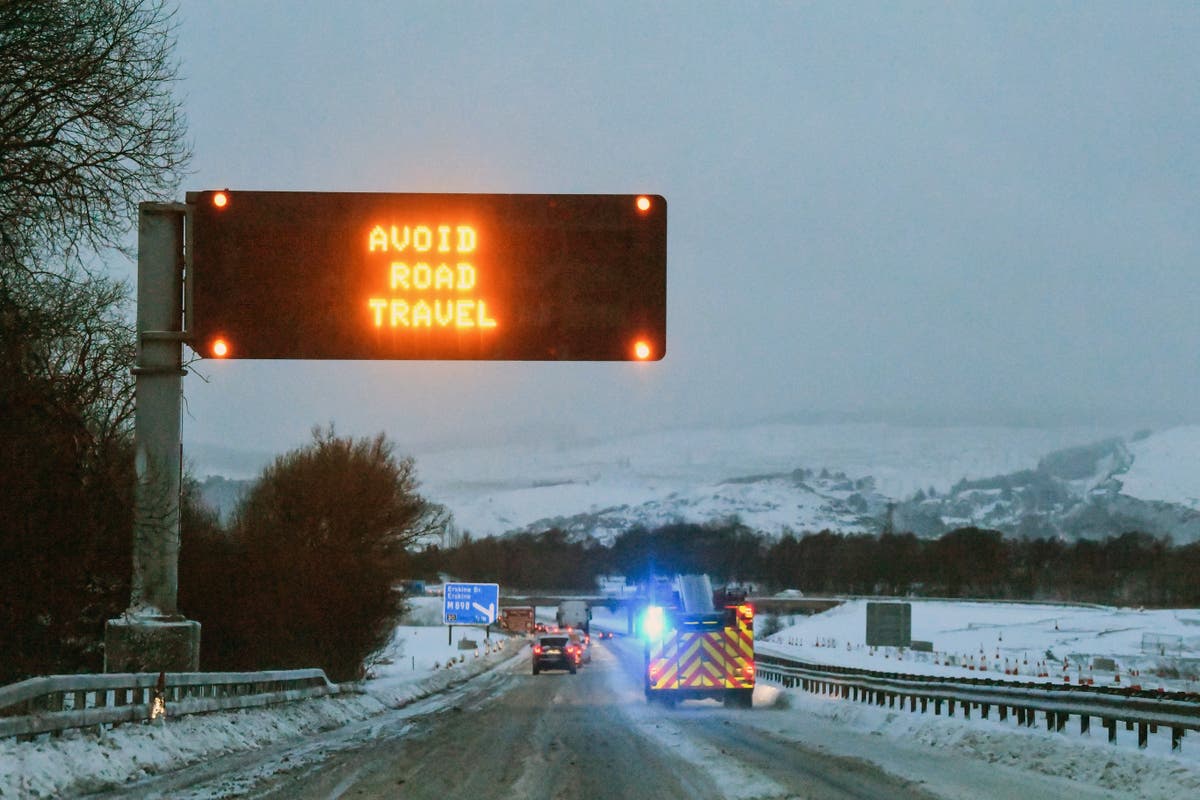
<point x="485" y="727"/>
<point x="510" y="734"/>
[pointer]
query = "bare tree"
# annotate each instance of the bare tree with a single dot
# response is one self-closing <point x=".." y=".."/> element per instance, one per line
<point x="88" y="129"/>
<point x="89" y="125"/>
<point x="308" y="573"/>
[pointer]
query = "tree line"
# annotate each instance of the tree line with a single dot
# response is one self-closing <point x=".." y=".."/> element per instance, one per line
<point x="1131" y="569"/>
<point x="90" y="127"/>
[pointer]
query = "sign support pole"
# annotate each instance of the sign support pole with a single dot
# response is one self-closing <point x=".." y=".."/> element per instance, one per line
<point x="152" y="636"/>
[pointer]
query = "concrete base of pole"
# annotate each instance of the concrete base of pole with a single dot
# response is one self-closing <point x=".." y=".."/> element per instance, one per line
<point x="151" y="644"/>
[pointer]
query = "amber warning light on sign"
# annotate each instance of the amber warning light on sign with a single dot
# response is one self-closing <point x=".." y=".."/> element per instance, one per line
<point x="301" y="275"/>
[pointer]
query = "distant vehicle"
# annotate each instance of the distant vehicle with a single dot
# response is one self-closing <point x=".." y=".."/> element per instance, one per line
<point x="554" y="651"/>
<point x="517" y="619"/>
<point x="574" y="614"/>
<point x="583" y="646"/>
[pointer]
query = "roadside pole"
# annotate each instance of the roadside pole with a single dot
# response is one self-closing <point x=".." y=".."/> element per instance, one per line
<point x="152" y="636"/>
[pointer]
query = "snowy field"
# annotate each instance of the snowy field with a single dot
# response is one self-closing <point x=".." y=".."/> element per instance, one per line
<point x="1166" y="466"/>
<point x="1151" y="648"/>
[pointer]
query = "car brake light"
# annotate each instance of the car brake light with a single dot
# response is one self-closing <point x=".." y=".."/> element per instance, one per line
<point x="537" y="649"/>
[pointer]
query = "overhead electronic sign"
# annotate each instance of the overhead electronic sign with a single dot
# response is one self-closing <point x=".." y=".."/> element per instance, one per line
<point x="316" y="275"/>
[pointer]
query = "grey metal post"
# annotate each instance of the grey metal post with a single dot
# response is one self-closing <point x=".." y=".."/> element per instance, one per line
<point x="158" y="392"/>
<point x="152" y="635"/>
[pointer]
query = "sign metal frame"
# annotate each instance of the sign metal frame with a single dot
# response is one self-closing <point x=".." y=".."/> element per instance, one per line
<point x="427" y="276"/>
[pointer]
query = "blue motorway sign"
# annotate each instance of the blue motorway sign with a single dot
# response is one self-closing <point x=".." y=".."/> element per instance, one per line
<point x="470" y="603"/>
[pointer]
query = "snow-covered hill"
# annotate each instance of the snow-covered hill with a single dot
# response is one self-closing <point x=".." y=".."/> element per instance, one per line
<point x="1149" y="483"/>
<point x="777" y="478"/>
<point x="772" y="477"/>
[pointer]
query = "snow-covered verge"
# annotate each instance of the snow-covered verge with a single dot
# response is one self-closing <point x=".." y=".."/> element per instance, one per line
<point x="994" y="760"/>
<point x="945" y="753"/>
<point x="1140" y="642"/>
<point x="418" y="663"/>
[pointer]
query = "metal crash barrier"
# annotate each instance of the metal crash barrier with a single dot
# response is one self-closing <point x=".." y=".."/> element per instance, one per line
<point x="1144" y="710"/>
<point x="54" y="703"/>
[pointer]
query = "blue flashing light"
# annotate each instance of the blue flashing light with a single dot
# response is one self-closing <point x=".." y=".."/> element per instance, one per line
<point x="653" y="622"/>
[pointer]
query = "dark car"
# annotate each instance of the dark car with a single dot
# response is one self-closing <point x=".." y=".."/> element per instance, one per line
<point x="553" y="651"/>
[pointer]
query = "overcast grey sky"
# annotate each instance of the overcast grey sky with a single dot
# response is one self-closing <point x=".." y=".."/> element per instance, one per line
<point x="920" y="211"/>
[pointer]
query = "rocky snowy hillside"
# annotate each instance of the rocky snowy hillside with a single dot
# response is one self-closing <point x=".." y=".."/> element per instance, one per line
<point x="779" y="478"/>
<point x="1150" y="483"/>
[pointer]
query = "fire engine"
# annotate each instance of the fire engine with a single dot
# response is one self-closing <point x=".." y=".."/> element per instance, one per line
<point x="699" y="644"/>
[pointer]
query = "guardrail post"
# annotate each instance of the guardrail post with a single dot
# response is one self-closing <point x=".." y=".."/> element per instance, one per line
<point x="1003" y="712"/>
<point x="1176" y="739"/>
<point x="1111" y="724"/>
<point x="1085" y="723"/>
<point x="950" y="708"/>
<point x="937" y="705"/>
<point x="1060" y="721"/>
<point x="966" y="710"/>
<point x="984" y="710"/>
<point x="1142" y="735"/>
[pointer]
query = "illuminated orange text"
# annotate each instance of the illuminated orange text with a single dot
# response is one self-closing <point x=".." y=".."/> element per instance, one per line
<point x="396" y="313"/>
<point x="423" y="276"/>
<point x="423" y="238"/>
<point x="428" y="292"/>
